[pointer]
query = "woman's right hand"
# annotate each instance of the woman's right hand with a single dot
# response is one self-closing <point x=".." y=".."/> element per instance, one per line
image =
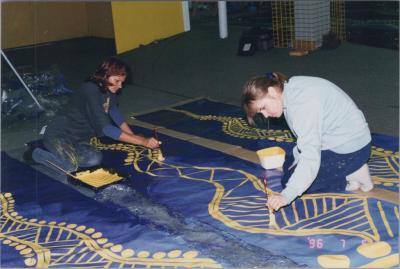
<point x="151" y="142"/>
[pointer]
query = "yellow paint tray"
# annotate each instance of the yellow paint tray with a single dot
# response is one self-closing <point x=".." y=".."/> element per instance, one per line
<point x="96" y="178"/>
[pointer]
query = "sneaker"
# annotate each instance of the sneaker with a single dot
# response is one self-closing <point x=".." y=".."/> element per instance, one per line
<point x="361" y="177"/>
<point x="352" y="185"/>
<point x="366" y="184"/>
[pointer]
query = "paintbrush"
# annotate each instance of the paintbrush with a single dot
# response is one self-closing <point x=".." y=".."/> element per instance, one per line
<point x="156" y="136"/>
<point x="272" y="220"/>
<point x="61" y="169"/>
<point x="160" y="156"/>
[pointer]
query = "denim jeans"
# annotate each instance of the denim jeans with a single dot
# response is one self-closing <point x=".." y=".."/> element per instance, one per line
<point x="67" y="155"/>
<point x="333" y="170"/>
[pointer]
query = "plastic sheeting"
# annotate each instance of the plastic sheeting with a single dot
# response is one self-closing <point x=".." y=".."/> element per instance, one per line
<point x="47" y="86"/>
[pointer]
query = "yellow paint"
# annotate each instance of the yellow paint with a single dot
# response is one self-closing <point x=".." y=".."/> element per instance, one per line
<point x="190" y="254"/>
<point x="305" y="209"/>
<point x="238" y="127"/>
<point x="127" y="253"/>
<point x="116" y="248"/>
<point x="97" y="235"/>
<point x="315" y="206"/>
<point x="159" y="255"/>
<point x="218" y="202"/>
<point x="385" y="262"/>
<point x="98" y="177"/>
<point x="89" y="231"/>
<point x="137" y="23"/>
<point x="174" y="253"/>
<point x="294" y="210"/>
<point x="384" y="219"/>
<point x="20" y="247"/>
<point x="334" y="261"/>
<point x="30" y="261"/>
<point x="375" y="249"/>
<point x="81" y="228"/>
<point x="143" y="254"/>
<point x="25" y="251"/>
<point x="287" y="222"/>
<point x="102" y="240"/>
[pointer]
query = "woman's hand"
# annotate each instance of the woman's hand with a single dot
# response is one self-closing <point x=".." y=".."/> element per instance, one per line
<point x="276" y="201"/>
<point x="151" y="142"/>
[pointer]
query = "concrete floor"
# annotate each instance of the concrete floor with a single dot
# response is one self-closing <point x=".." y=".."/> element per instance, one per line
<point x="198" y="63"/>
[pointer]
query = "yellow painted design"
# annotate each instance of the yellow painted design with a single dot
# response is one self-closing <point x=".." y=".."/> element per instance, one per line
<point x="384" y="219"/>
<point x="384" y="167"/>
<point x="78" y="248"/>
<point x="385" y="262"/>
<point x="375" y="249"/>
<point x="233" y="210"/>
<point x="334" y="261"/>
<point x="238" y="127"/>
<point x="342" y="261"/>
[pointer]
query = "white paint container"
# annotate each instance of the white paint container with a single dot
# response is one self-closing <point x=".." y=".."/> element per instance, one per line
<point x="271" y="158"/>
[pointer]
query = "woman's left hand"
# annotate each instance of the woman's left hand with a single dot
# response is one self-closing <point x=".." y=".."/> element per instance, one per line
<point x="276" y="201"/>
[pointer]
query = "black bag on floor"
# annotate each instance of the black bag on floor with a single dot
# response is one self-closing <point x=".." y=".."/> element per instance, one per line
<point x="255" y="39"/>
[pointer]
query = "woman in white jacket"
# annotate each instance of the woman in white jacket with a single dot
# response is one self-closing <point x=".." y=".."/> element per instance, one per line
<point x="333" y="138"/>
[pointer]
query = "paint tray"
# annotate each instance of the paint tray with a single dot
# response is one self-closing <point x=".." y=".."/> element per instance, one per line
<point x="271" y="158"/>
<point x="96" y="178"/>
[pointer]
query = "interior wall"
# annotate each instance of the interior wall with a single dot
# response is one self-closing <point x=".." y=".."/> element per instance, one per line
<point x="27" y="23"/>
<point x="140" y="23"/>
<point x="100" y="21"/>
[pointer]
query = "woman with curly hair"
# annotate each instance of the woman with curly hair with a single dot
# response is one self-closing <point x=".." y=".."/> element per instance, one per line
<point x="92" y="111"/>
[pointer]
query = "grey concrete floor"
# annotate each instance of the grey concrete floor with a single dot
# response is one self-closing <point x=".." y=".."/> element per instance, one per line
<point x="199" y="63"/>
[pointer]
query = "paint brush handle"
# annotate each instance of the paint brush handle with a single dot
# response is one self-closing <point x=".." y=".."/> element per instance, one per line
<point x="155" y="134"/>
<point x="156" y="137"/>
<point x="61" y="169"/>
<point x="266" y="192"/>
<point x="265" y="187"/>
<point x="272" y="220"/>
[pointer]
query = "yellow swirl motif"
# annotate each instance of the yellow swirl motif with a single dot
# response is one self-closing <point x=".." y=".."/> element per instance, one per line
<point x="315" y="214"/>
<point x="311" y="215"/>
<point x="238" y="127"/>
<point x="49" y="244"/>
<point x="384" y="167"/>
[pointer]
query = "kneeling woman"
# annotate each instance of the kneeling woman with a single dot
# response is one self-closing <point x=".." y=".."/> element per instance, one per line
<point x="333" y="138"/>
<point x="92" y="111"/>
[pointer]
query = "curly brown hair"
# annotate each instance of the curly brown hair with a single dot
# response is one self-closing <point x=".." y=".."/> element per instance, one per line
<point x="109" y="67"/>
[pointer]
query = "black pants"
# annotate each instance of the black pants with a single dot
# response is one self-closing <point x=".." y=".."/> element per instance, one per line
<point x="333" y="170"/>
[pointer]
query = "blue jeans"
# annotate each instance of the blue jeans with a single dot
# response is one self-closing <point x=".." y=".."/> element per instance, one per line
<point x="67" y="155"/>
<point x="333" y="170"/>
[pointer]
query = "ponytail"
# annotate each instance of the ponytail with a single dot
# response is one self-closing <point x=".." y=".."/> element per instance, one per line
<point x="257" y="87"/>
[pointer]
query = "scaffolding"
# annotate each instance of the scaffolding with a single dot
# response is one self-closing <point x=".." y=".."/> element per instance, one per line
<point x="338" y="23"/>
<point x="302" y="24"/>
